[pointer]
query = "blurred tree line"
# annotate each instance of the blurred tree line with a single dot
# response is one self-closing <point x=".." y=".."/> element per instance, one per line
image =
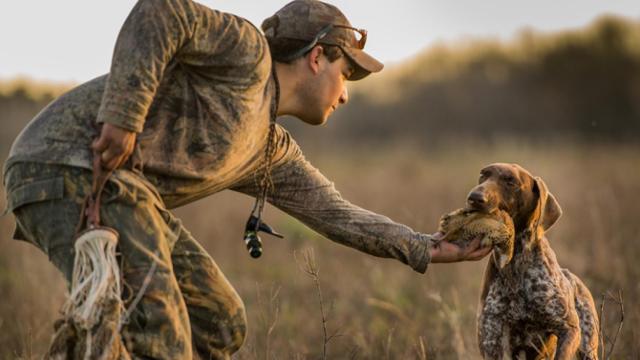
<point x="20" y="100"/>
<point x="581" y="84"/>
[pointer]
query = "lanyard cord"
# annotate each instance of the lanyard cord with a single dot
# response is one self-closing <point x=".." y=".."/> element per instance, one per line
<point x="90" y="212"/>
<point x="266" y="183"/>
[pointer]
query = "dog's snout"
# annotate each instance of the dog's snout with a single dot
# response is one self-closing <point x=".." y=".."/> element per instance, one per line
<point x="477" y="198"/>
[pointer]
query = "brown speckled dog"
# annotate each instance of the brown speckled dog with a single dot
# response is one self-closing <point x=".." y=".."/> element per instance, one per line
<point x="531" y="306"/>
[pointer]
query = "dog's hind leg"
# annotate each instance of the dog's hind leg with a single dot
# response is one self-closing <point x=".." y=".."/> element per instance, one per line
<point x="568" y="342"/>
<point x="588" y="317"/>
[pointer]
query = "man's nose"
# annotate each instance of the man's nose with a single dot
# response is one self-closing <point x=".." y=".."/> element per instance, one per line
<point x="344" y="97"/>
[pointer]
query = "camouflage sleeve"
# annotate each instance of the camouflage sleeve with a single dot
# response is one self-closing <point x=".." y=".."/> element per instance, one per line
<point x="304" y="193"/>
<point x="159" y="32"/>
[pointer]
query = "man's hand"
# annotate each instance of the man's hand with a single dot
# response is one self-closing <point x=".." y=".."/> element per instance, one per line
<point x="114" y="145"/>
<point x="446" y="252"/>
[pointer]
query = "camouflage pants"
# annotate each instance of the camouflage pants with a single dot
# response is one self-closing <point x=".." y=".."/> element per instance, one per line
<point x="188" y="309"/>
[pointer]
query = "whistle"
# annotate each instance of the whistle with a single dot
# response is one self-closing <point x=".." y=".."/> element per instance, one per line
<point x="252" y="239"/>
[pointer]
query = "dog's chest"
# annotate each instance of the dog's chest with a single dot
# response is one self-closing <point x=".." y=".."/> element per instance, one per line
<point x="530" y="289"/>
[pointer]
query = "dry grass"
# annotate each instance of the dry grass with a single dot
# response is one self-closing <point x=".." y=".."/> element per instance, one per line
<point x="380" y="308"/>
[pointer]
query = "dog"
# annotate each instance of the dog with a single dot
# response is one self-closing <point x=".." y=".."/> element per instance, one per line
<point x="530" y="305"/>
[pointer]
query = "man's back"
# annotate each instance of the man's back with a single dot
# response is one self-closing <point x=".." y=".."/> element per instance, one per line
<point x="209" y="104"/>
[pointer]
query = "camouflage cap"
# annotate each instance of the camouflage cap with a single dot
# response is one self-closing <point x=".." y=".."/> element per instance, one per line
<point x="305" y="19"/>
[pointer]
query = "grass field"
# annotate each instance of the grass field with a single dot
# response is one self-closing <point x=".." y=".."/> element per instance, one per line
<point x="378" y="308"/>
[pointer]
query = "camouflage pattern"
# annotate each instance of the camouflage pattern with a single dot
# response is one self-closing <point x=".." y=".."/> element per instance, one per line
<point x="204" y="123"/>
<point x="188" y="304"/>
<point x="196" y="84"/>
<point x="304" y="19"/>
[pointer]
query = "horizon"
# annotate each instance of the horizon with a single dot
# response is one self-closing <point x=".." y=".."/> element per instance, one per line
<point x="434" y="23"/>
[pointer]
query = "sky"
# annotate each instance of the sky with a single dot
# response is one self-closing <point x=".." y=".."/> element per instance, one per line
<point x="72" y="40"/>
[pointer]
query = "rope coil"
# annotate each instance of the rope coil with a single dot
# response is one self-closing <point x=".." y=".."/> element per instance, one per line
<point x="92" y="313"/>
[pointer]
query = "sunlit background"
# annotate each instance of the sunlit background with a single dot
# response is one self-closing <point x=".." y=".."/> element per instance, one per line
<point x="551" y="85"/>
<point x="72" y="40"/>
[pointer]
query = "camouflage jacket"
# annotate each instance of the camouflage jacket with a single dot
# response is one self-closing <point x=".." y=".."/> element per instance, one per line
<point x="196" y="85"/>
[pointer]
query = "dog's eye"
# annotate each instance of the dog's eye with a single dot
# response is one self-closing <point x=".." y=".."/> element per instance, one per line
<point x="510" y="180"/>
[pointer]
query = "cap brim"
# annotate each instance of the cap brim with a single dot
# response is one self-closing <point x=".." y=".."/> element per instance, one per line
<point x="365" y="64"/>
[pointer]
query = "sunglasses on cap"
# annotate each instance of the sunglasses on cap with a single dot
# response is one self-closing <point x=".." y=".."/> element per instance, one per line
<point x="359" y="34"/>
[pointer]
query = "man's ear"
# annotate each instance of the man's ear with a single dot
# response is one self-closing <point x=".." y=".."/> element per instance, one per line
<point x="548" y="210"/>
<point x="313" y="58"/>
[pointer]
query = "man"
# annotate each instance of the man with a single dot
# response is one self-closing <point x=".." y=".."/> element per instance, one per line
<point x="189" y="109"/>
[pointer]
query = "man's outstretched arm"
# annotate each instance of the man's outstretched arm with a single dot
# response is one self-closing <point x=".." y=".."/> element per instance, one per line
<point x="303" y="192"/>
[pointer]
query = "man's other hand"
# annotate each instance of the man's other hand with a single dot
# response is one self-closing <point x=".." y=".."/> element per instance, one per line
<point x="114" y="145"/>
<point x="446" y="252"/>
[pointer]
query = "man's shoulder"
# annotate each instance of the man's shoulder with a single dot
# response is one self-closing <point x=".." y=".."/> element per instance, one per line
<point x="244" y="55"/>
<point x="287" y="148"/>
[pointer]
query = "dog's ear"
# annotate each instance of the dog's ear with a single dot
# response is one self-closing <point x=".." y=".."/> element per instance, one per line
<point x="548" y="210"/>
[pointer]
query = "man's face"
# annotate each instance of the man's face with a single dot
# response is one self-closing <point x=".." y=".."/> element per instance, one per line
<point x="326" y="89"/>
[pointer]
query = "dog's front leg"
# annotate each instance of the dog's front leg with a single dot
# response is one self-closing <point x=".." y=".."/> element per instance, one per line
<point x="491" y="325"/>
<point x="568" y="342"/>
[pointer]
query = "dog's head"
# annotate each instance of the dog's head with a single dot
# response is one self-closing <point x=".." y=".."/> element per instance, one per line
<point x="513" y="189"/>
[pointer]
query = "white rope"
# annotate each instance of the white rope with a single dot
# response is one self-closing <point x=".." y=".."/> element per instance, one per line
<point x="95" y="280"/>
